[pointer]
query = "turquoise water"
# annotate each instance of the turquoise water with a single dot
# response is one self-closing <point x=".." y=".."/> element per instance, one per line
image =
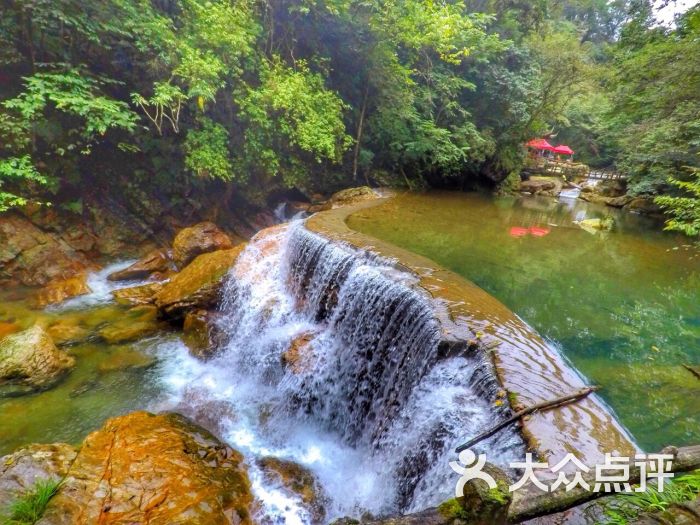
<point x="622" y="305"/>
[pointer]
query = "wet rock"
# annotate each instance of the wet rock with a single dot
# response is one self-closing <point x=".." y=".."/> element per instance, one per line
<point x="202" y="334"/>
<point x="593" y="225"/>
<point x="351" y="196"/>
<point x="158" y="469"/>
<point x="299" y="357"/>
<point x="426" y="517"/>
<point x="125" y="358"/>
<point x="198" y="285"/>
<point x="201" y="238"/>
<point x="156" y="262"/>
<point x="30" y="360"/>
<point x="22" y="469"/>
<point x="137" y="295"/>
<point x="297" y="480"/>
<point x="32" y="256"/>
<point x="644" y="205"/>
<point x="137" y="323"/>
<point x="213" y="414"/>
<point x="618" y="202"/>
<point x="59" y="290"/>
<point x="537" y="186"/>
<point x="66" y="332"/>
<point x="677" y="514"/>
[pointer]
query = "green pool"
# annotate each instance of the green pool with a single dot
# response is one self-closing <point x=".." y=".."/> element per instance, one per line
<point x="623" y="306"/>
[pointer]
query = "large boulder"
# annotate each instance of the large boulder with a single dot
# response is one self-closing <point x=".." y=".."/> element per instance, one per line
<point x="198" y="285"/>
<point x="157" y="469"/>
<point x="539" y="185"/>
<point x="59" y="290"/>
<point x="156" y="263"/>
<point x="645" y="206"/>
<point x="22" y="469"/>
<point x="201" y="238"/>
<point x="29" y="361"/>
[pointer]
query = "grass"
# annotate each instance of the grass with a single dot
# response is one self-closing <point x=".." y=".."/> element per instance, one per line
<point x="625" y="508"/>
<point x="30" y="507"/>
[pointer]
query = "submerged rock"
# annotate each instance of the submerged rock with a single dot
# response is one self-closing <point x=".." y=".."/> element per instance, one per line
<point x="157" y="262"/>
<point x="65" y="332"/>
<point x="22" y="469"/>
<point x="201" y="238"/>
<point x="30" y="361"/>
<point x="137" y="323"/>
<point x="59" y="290"/>
<point x="7" y="328"/>
<point x="198" y="285"/>
<point x="297" y="480"/>
<point x="158" y="469"/>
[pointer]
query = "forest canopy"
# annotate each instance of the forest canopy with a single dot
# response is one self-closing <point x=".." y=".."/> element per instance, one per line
<point x="312" y="94"/>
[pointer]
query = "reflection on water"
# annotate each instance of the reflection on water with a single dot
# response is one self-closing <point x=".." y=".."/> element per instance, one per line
<point x="623" y="305"/>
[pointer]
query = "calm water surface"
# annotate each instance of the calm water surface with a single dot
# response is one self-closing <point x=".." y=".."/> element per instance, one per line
<point x="623" y="305"/>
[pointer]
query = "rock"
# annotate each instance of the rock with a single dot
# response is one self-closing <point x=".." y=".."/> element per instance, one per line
<point x="213" y="414"/>
<point x="125" y="358"/>
<point x="137" y="295"/>
<point x="351" y="196"/>
<point x="59" y="290"/>
<point x="34" y="257"/>
<point x="480" y="504"/>
<point x="299" y="356"/>
<point x="297" y="480"/>
<point x="618" y="202"/>
<point x="201" y="238"/>
<point x="22" y="469"/>
<point x="537" y="186"/>
<point x="687" y="513"/>
<point x="198" y="285"/>
<point x="64" y="332"/>
<point x="156" y="262"/>
<point x="31" y="360"/>
<point x="137" y="323"/>
<point x="157" y="469"/>
<point x="644" y="205"/>
<point x="426" y="517"/>
<point x="201" y="333"/>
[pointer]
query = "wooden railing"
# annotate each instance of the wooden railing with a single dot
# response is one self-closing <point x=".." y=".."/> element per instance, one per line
<point x="569" y="170"/>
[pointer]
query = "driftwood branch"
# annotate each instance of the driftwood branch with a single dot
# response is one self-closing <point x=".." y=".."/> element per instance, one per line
<point x="692" y="370"/>
<point x="530" y="502"/>
<point x="545" y="405"/>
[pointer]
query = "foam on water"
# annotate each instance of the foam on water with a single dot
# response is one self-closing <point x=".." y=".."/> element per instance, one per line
<point x="100" y="288"/>
<point x="372" y="410"/>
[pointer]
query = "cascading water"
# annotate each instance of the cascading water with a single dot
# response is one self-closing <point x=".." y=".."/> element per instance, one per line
<point x="368" y="405"/>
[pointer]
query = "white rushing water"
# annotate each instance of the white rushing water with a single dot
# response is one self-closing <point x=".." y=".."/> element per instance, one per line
<point x="371" y="409"/>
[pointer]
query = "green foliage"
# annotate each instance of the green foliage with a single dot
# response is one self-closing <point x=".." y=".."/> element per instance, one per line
<point x="684" y="211"/>
<point x="30" y="507"/>
<point x="207" y="151"/>
<point x="626" y="508"/>
<point x="17" y="171"/>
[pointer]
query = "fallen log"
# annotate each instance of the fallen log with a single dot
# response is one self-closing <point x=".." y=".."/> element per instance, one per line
<point x="545" y="405"/>
<point x="530" y="502"/>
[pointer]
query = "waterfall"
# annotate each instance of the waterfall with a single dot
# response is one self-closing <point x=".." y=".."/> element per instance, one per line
<point x="370" y="405"/>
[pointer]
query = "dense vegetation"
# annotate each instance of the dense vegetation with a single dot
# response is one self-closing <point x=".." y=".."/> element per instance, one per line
<point x="256" y="96"/>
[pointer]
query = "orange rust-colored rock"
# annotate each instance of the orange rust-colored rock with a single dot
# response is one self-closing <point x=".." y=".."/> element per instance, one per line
<point x="299" y="481"/>
<point x="201" y="238"/>
<point x="201" y="333"/>
<point x="59" y="290"/>
<point x="156" y="469"/>
<point x="156" y="262"/>
<point x="137" y="295"/>
<point x="198" y="285"/>
<point x="299" y="356"/>
<point x="7" y="328"/>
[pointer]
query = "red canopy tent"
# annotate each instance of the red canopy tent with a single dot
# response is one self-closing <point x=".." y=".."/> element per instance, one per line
<point x="540" y="144"/>
<point x="563" y="150"/>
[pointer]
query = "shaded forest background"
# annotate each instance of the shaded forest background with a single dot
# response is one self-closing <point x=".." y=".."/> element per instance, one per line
<point x="251" y="98"/>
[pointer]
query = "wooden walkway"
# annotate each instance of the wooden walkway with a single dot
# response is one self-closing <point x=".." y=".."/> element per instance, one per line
<point x="605" y="175"/>
<point x="569" y="170"/>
